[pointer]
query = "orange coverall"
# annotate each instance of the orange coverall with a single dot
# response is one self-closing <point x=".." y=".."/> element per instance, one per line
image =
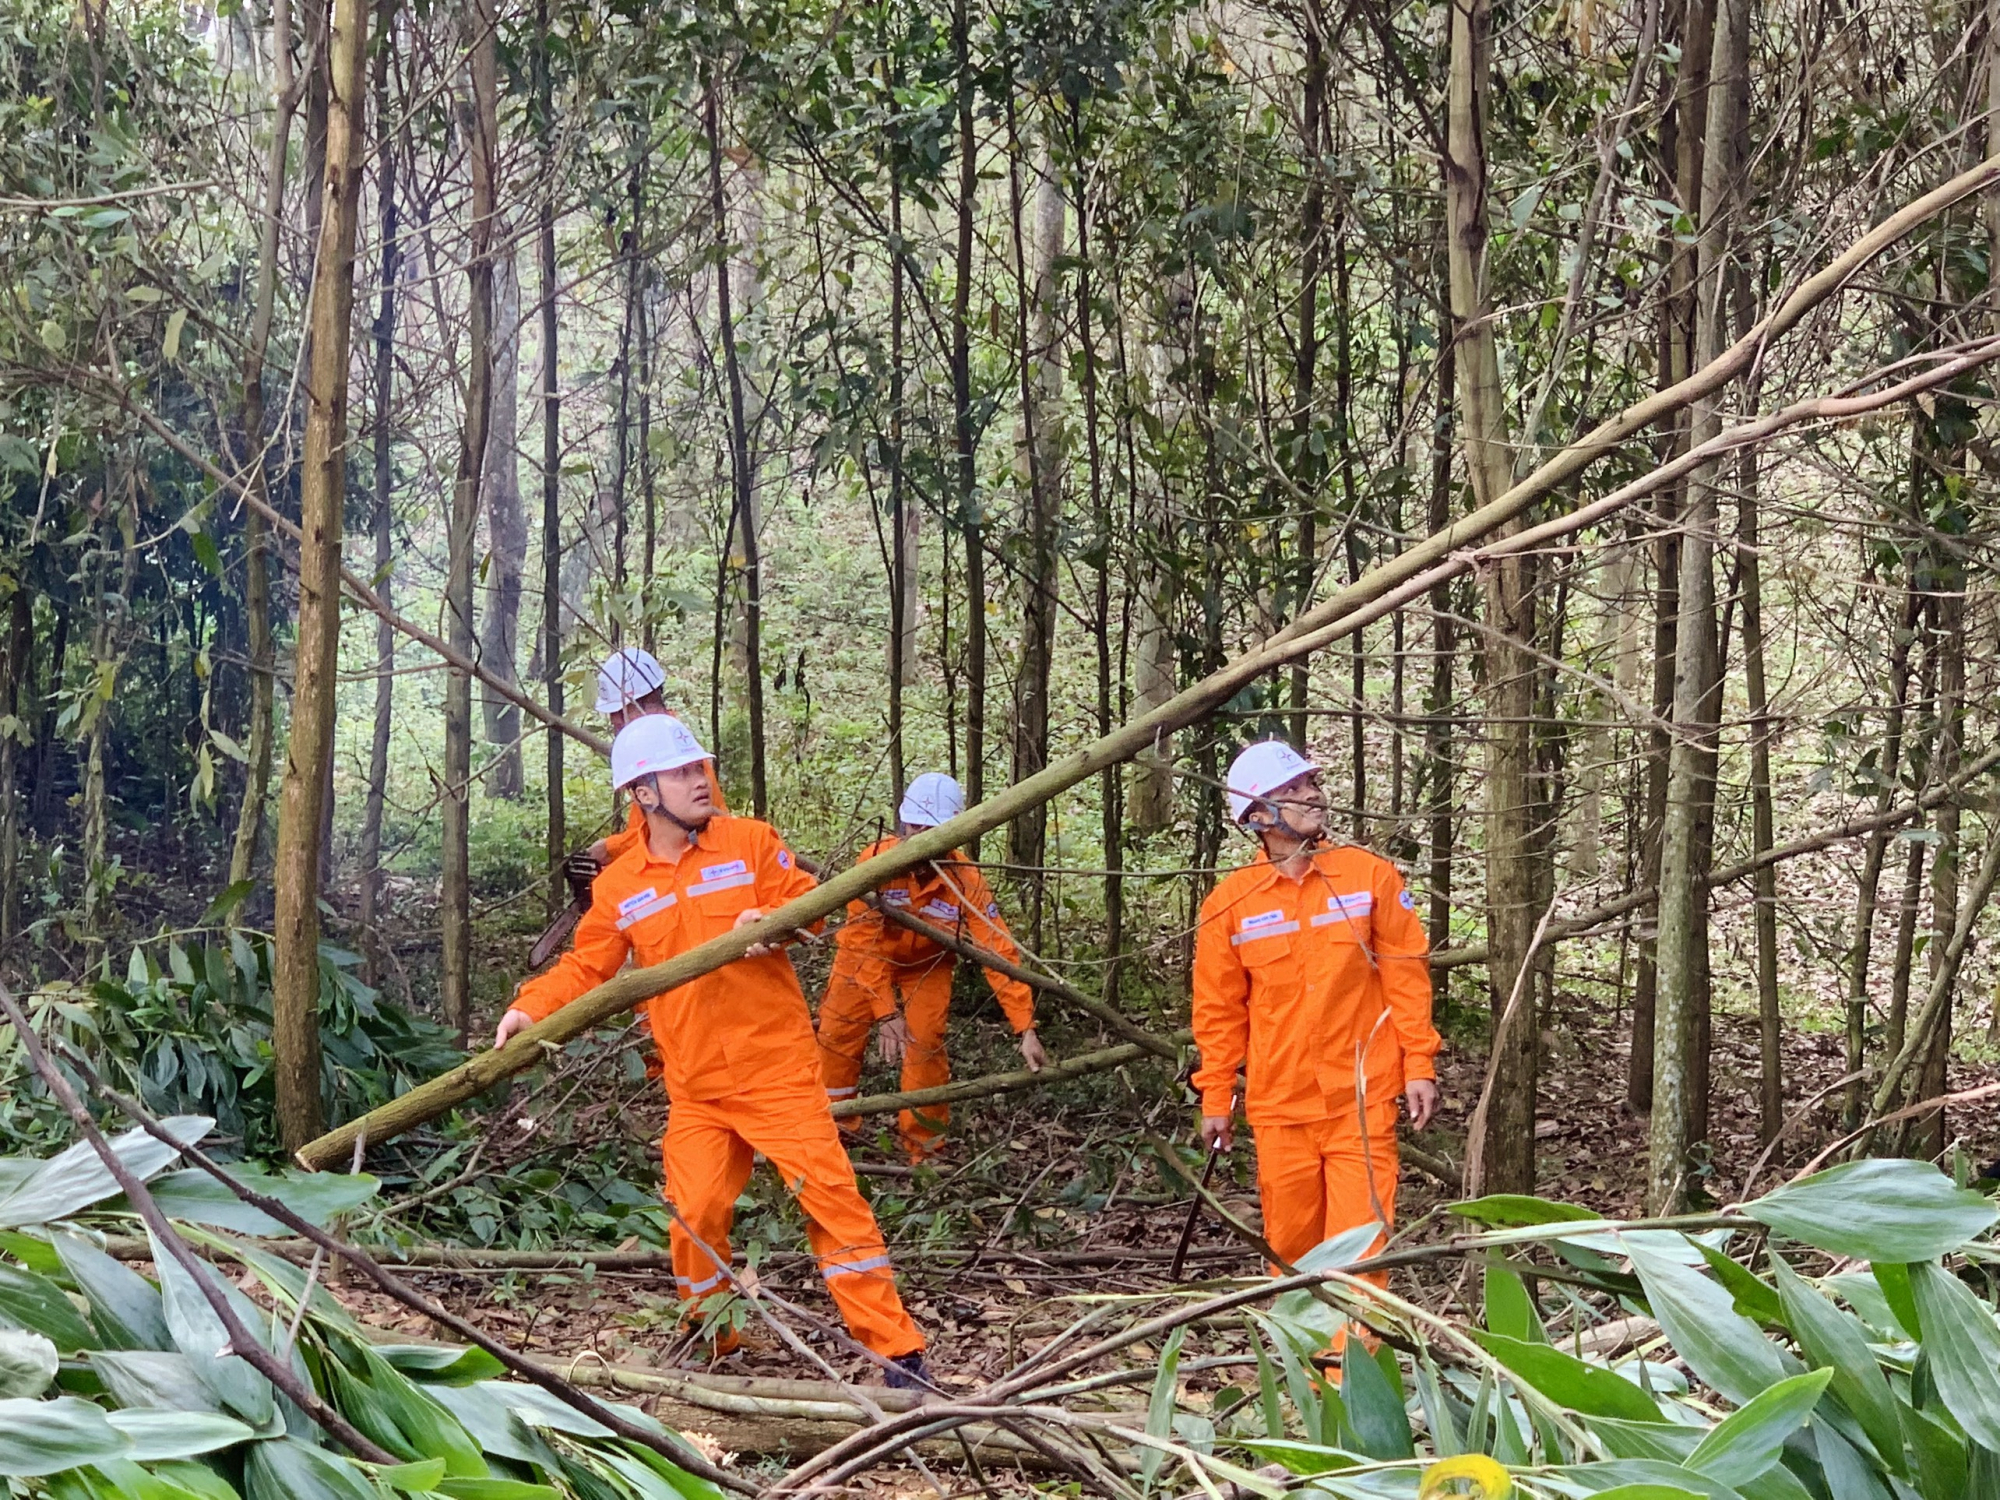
<point x="740" y="1071"/>
<point x="1323" y="985"/>
<point x="875" y="961"/>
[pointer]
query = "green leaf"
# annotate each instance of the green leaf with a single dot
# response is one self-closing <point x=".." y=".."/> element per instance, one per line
<point x="1374" y="1401"/>
<point x="1892" y="1280"/>
<point x="1569" y="1381"/>
<point x="231" y="896"/>
<point x="158" y="1435"/>
<point x="1510" y="1311"/>
<point x="202" y="1338"/>
<point x="40" y="1306"/>
<point x="1720" y="1345"/>
<point x="72" y="1181"/>
<point x="28" y="1364"/>
<point x="1160" y="1408"/>
<point x="1752" y="1297"/>
<point x="495" y="1489"/>
<point x="1835" y="1340"/>
<point x="317" y="1197"/>
<point x="1747" y="1442"/>
<point x="145" y="1380"/>
<point x="442" y="1364"/>
<point x="287" y="1469"/>
<point x="1964" y="1350"/>
<point x="1877" y="1209"/>
<point x="1503" y="1210"/>
<point x="123" y="1304"/>
<point x="417" y="1479"/>
<point x="428" y="1428"/>
<point x="1301" y="1458"/>
<point x="1608" y="1477"/>
<point x="36" y="1254"/>
<point x="486" y="1410"/>
<point x="1647" y="1492"/>
<point x="170" y="346"/>
<point x="198" y="1479"/>
<point x="46" y="1437"/>
<point x="1848" y="1475"/>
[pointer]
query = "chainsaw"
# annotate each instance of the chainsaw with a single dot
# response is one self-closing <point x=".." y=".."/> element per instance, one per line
<point x="580" y="869"/>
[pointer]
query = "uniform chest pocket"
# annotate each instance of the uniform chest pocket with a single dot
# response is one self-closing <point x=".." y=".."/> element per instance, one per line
<point x="1347" y="917"/>
<point x="721" y="892"/>
<point x="1263" y="940"/>
<point x="646" y="915"/>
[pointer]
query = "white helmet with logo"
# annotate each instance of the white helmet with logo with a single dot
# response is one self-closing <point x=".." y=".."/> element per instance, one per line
<point x="1259" y="771"/>
<point x="627" y="676"/>
<point x="652" y="743"/>
<point x="933" y="798"/>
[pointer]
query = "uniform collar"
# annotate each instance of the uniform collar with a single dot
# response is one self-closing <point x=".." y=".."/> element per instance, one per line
<point x="1269" y="875"/>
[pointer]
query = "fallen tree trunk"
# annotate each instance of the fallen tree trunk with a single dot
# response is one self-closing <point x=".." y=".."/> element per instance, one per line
<point x="1348" y="609"/>
<point x="1000" y="1083"/>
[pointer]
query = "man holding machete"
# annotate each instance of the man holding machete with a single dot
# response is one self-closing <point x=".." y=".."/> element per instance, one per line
<point x="1311" y="967"/>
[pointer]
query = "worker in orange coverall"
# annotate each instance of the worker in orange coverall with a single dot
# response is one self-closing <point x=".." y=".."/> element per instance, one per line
<point x="737" y="1044"/>
<point x="876" y="962"/>
<point x="1312" y="970"/>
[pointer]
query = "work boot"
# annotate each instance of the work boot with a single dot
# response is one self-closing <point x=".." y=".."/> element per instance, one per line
<point x="908" y="1372"/>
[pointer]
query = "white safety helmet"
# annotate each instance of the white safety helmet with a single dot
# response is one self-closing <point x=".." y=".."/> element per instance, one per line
<point x="627" y="676"/>
<point x="1259" y="771"/>
<point x="933" y="798"/>
<point x="653" y="742"/>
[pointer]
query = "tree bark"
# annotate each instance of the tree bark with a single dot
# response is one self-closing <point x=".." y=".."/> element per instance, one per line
<point x="322" y="497"/>
<point x="1507" y="1151"/>
<point x="552" y="590"/>
<point x="250" y="462"/>
<point x="1763" y="817"/>
<point x="1438" y="773"/>
<point x="1305" y="368"/>
<point x="384" y="334"/>
<point x="964" y="439"/>
<point x="506" y="532"/>
<point x="19" y="643"/>
<point x="1926" y="1134"/>
<point x="481" y="118"/>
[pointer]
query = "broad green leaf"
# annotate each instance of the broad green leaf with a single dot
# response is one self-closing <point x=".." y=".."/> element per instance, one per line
<point x="1342" y="1249"/>
<point x="1892" y="1279"/>
<point x="287" y="1469"/>
<point x="1835" y="1340"/>
<point x="1670" y="1442"/>
<point x="170" y="346"/>
<point x="122" y="1479"/>
<point x="429" y="1428"/>
<point x="1877" y="1209"/>
<point x="1438" y="1418"/>
<point x="1720" y="1345"/>
<point x="37" y="1255"/>
<point x="495" y="1489"/>
<point x="1608" y="1477"/>
<point x="413" y="1479"/>
<point x="147" y="1380"/>
<point x="28" y="1364"/>
<point x="1267" y="1387"/>
<point x="198" y="1479"/>
<point x="74" y="1179"/>
<point x="316" y="1197"/>
<point x="200" y="1335"/>
<point x="1504" y="1210"/>
<point x="1861" y="1291"/>
<point x="1160" y="1408"/>
<point x="1940" y="1454"/>
<point x="1848" y="1475"/>
<point x="123" y="1304"/>
<point x="1302" y="1458"/>
<point x="1510" y="1311"/>
<point x="1374" y="1402"/>
<point x="1647" y="1492"/>
<point x="1752" y="1297"/>
<point x="1569" y="1381"/>
<point x="40" y="1306"/>
<point x="486" y="1411"/>
<point x="46" y="1437"/>
<point x="1748" y="1441"/>
<point x="441" y="1364"/>
<point x="160" y="1435"/>
<point x="1964" y="1349"/>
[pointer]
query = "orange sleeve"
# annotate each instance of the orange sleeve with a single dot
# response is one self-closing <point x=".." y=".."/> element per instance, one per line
<point x="1403" y="950"/>
<point x="627" y="837"/>
<point x="598" y="951"/>
<point x="1221" y="1008"/>
<point x="986" y="927"/>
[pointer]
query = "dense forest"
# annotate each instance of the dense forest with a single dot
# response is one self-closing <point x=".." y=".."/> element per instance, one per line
<point x="1564" y="424"/>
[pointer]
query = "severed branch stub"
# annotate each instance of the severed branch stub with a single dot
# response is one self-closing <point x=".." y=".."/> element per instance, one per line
<point x="242" y="1341"/>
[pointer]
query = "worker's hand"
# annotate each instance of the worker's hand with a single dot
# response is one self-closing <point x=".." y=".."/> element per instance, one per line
<point x="892" y="1038"/>
<point x="512" y="1022"/>
<point x="1032" y="1052"/>
<point x="1420" y="1097"/>
<point x="1218" y="1132"/>
<point x="580" y="869"/>
<point x="756" y="950"/>
<point x="600" y="852"/>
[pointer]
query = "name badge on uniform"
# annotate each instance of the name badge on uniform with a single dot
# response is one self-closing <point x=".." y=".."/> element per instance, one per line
<point x="722" y="877"/>
<point x="1263" y="925"/>
<point x="1350" y="907"/>
<point x="942" y="911"/>
<point x="642" y="904"/>
<point x="896" y="896"/>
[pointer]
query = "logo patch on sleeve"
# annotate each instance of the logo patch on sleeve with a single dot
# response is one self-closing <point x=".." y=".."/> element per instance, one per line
<point x="784" y="859"/>
<point x="1409" y="901"/>
<point x="993" y="910"/>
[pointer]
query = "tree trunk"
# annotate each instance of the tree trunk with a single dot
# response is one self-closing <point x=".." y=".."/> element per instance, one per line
<point x="1038" y="275"/>
<point x="1312" y="231"/>
<point x="506" y="531"/>
<point x="1438" y="775"/>
<point x="322" y="497"/>
<point x="1927" y="1133"/>
<point x="1763" y="818"/>
<point x="256" y="537"/>
<point x="19" y="643"/>
<point x="1506" y="1153"/>
<point x="742" y="479"/>
<point x="385" y="633"/>
<point x="902" y="565"/>
<point x="965" y="440"/>
<point x="1679" y="1061"/>
<point x="552" y="584"/>
<point x="480" y="115"/>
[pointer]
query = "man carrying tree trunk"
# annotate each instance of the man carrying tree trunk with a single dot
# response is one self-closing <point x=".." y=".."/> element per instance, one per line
<point x="1312" y="968"/>
<point x="876" y="962"/>
<point x="736" y="1044"/>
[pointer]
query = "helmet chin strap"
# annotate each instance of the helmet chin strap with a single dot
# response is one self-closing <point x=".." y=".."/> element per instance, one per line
<point x="692" y="830"/>
<point x="1307" y="841"/>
